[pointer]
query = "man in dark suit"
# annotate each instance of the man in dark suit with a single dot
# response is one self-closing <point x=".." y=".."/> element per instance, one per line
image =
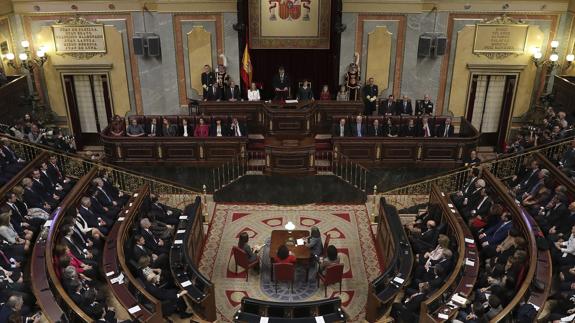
<point x="526" y="182"/>
<point x="358" y="128"/>
<point x="92" y="219"/>
<point x="218" y="129"/>
<point x="409" y="130"/>
<point x="153" y="129"/>
<point x="403" y="106"/>
<point x="33" y="198"/>
<point x="281" y="85"/>
<point x="110" y="213"/>
<point x="387" y="107"/>
<point x="12" y="164"/>
<point x="375" y="129"/>
<point x="408" y="310"/>
<point x="162" y="212"/>
<point x="496" y="234"/>
<point x="208" y="79"/>
<point x="152" y="243"/>
<point x="424" y="106"/>
<point x="340" y="129"/>
<point x="57" y="176"/>
<point x="139" y="250"/>
<point x="370" y="94"/>
<point x="478" y="207"/>
<point x="45" y="190"/>
<point x="445" y="130"/>
<point x="426" y="240"/>
<point x="215" y="92"/>
<point x="468" y="187"/>
<point x="232" y="92"/>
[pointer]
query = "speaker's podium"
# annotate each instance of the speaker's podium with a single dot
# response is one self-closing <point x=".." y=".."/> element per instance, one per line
<point x="290" y="156"/>
<point x="289" y="118"/>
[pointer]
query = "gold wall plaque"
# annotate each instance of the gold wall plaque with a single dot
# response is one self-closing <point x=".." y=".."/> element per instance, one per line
<point x="89" y="38"/>
<point x="500" y="38"/>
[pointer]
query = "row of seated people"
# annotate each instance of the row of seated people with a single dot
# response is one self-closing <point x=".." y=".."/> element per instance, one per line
<point x="147" y="254"/>
<point x="22" y="216"/>
<point x="10" y="163"/>
<point x="32" y="130"/>
<point x="394" y="127"/>
<point x="554" y="126"/>
<point x="177" y="126"/>
<point x="77" y="255"/>
<point x="552" y="206"/>
<point x="434" y="260"/>
<point x="503" y="250"/>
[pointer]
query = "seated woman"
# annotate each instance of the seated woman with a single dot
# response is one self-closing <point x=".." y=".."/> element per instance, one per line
<point x="16" y="245"/>
<point x="253" y="93"/>
<point x="284" y="256"/>
<point x="202" y="129"/>
<point x="332" y="258"/>
<point x="243" y="244"/>
<point x="314" y="242"/>
<point x="342" y="94"/>
<point x="135" y="129"/>
<point x="325" y="95"/>
<point x="117" y="126"/>
<point x="153" y="275"/>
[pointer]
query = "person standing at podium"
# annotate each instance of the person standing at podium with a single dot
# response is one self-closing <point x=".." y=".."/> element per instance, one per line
<point x="281" y="84"/>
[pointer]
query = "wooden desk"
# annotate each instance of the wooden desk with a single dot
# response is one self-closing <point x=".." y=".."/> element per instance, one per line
<point x="290" y="156"/>
<point x="280" y="237"/>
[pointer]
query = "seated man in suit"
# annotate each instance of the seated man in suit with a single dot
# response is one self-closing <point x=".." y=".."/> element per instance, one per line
<point x="53" y="186"/>
<point x="232" y="92"/>
<point x="408" y="310"/>
<point x="32" y="198"/>
<point x="135" y="129"/>
<point x="139" y="250"/>
<point x="304" y="93"/>
<point x="478" y="208"/>
<point x="340" y="129"/>
<point x="236" y="129"/>
<point x="425" y="129"/>
<point x="153" y="129"/>
<point x="375" y="129"/>
<point x="445" y="130"/>
<point x="215" y="92"/>
<point x="168" y="130"/>
<point x="424" y="106"/>
<point x="494" y="235"/>
<point x="387" y="107"/>
<point x="108" y="197"/>
<point x="57" y="176"/>
<point x="11" y="163"/>
<point x="527" y="180"/>
<point x="403" y="106"/>
<point x="162" y="212"/>
<point x="92" y="219"/>
<point x="218" y="129"/>
<point x="46" y="190"/>
<point x="152" y="243"/>
<point x="425" y="241"/>
<point x="202" y="129"/>
<point x="186" y="129"/>
<point x="389" y="129"/>
<point x="409" y="130"/>
<point x="358" y="128"/>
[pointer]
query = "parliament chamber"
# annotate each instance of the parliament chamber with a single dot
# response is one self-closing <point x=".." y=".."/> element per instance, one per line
<point x="287" y="161"/>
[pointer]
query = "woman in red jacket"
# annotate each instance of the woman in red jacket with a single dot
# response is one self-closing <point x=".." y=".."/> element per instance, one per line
<point x="202" y="129"/>
<point x="284" y="256"/>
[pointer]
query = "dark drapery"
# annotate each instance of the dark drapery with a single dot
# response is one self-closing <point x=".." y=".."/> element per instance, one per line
<point x="319" y="66"/>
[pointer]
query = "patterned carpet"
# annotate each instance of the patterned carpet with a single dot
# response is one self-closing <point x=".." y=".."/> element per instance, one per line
<point x="349" y="230"/>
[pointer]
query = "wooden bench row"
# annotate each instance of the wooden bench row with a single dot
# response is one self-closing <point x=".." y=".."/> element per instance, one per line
<point x="254" y="310"/>
<point x="393" y="246"/>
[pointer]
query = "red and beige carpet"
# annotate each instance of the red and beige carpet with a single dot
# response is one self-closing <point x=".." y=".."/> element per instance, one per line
<point x="347" y="225"/>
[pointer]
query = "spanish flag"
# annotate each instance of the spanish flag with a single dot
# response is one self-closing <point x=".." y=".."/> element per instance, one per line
<point x="246" y="71"/>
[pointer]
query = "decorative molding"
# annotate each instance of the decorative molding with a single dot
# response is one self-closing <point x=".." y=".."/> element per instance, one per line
<point x="504" y="20"/>
<point x="91" y="67"/>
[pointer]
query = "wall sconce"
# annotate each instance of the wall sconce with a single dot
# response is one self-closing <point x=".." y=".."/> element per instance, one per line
<point x="553" y="60"/>
<point x="27" y="60"/>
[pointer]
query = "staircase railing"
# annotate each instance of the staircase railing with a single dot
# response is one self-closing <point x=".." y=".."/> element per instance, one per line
<point x="336" y="163"/>
<point x="502" y="167"/>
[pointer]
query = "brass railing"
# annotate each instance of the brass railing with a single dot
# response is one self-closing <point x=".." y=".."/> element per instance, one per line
<point x="502" y="167"/>
<point x="76" y="166"/>
<point x="338" y="164"/>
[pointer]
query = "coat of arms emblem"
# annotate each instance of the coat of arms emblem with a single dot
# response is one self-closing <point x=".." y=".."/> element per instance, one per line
<point x="289" y="9"/>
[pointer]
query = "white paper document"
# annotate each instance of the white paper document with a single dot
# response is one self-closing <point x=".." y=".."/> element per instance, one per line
<point x="469" y="240"/>
<point x="399" y="280"/>
<point x="442" y="316"/>
<point x="319" y="319"/>
<point x="186" y="283"/>
<point x="178" y="241"/>
<point x="183" y="217"/>
<point x="264" y="319"/>
<point x="300" y="242"/>
<point x="469" y="262"/>
<point x="134" y="309"/>
<point x="181" y="231"/>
